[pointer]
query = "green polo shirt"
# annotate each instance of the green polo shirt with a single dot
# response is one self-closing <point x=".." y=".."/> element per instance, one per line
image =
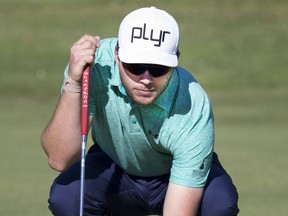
<point x="173" y="135"/>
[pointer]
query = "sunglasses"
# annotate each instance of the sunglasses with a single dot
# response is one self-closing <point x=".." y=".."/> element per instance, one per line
<point x="154" y="70"/>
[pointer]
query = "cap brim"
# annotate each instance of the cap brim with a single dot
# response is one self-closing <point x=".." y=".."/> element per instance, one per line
<point x="146" y="57"/>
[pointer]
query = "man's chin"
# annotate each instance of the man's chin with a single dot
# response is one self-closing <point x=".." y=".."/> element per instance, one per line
<point x="144" y="100"/>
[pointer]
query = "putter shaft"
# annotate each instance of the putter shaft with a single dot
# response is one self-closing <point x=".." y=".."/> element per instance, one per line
<point x="83" y="153"/>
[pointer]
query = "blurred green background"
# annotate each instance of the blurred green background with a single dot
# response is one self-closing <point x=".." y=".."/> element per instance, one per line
<point x="236" y="49"/>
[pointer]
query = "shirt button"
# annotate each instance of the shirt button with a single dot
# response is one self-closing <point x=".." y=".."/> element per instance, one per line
<point x="134" y="120"/>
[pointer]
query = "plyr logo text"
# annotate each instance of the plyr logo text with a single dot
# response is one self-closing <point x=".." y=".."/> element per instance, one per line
<point x="140" y="33"/>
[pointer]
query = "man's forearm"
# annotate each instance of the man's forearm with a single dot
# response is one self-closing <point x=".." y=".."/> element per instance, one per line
<point x="61" y="139"/>
<point x="182" y="201"/>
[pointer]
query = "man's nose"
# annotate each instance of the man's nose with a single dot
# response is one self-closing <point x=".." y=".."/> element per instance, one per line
<point x="146" y="78"/>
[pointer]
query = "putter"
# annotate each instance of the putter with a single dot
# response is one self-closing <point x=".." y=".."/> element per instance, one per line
<point x="84" y="130"/>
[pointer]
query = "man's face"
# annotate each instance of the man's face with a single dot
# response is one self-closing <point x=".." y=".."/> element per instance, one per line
<point x="144" y="88"/>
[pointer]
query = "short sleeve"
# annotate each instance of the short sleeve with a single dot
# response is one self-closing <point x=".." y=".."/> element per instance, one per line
<point x="189" y="137"/>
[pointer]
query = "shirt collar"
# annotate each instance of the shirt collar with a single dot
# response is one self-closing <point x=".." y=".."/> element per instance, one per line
<point x="115" y="77"/>
<point x="116" y="80"/>
<point x="165" y="100"/>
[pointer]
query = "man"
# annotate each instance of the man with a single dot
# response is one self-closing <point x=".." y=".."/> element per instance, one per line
<point x="152" y="128"/>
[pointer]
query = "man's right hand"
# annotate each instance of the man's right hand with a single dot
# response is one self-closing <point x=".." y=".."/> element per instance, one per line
<point x="82" y="53"/>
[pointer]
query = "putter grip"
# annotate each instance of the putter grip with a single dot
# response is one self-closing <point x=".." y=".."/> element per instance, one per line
<point x="84" y="100"/>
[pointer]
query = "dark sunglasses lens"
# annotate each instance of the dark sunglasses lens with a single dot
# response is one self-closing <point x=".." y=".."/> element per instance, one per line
<point x="136" y="69"/>
<point x="158" y="71"/>
<point x="154" y="70"/>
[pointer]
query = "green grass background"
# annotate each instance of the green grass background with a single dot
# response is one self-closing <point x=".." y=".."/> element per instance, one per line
<point x="236" y="49"/>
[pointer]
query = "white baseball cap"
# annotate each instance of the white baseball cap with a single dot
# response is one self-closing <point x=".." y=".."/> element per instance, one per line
<point x="149" y="36"/>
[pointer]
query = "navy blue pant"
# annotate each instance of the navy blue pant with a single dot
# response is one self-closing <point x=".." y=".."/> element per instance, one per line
<point x="111" y="191"/>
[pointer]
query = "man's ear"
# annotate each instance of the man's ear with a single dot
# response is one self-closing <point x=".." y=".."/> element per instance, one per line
<point x="117" y="60"/>
<point x="178" y="53"/>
